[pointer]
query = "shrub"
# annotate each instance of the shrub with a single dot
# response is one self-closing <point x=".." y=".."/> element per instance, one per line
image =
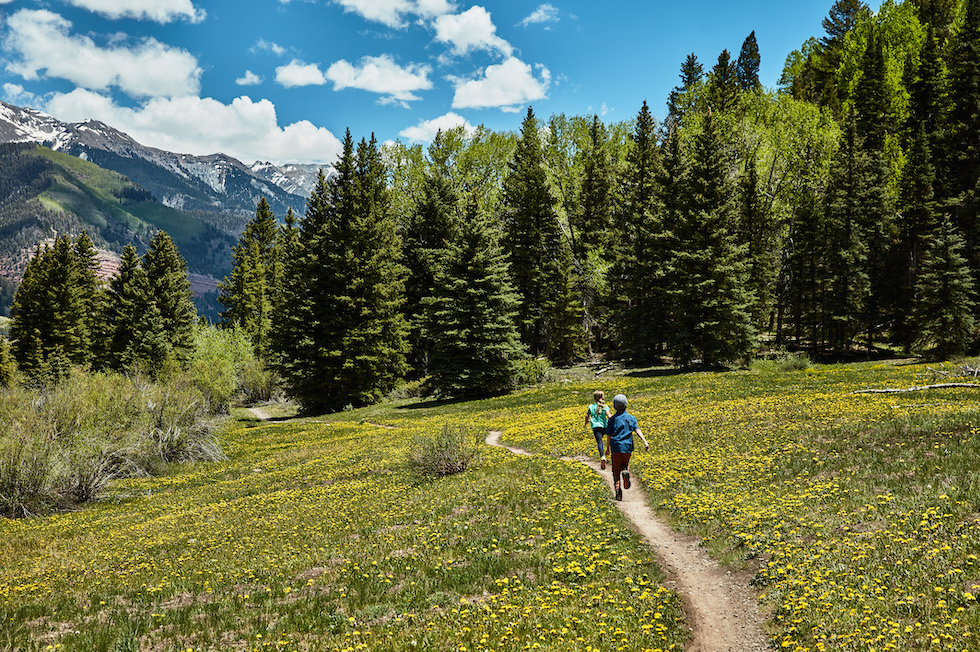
<point x="257" y="383"/>
<point x="64" y="444"/>
<point x="7" y="364"/>
<point x="793" y="362"/>
<point x="531" y="371"/>
<point x="449" y="451"/>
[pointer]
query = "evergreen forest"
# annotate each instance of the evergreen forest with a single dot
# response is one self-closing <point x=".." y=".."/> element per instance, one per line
<point x="835" y="215"/>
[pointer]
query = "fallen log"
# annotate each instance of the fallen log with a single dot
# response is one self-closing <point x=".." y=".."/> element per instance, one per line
<point x="915" y="389"/>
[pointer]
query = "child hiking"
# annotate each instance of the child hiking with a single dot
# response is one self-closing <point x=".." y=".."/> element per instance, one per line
<point x="595" y="417"/>
<point x="620" y="428"/>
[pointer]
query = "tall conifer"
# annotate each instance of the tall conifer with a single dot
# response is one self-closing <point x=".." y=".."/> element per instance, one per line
<point x="946" y="307"/>
<point x="471" y="315"/>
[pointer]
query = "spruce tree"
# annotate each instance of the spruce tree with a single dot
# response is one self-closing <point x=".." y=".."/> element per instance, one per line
<point x="170" y="289"/>
<point x="590" y="231"/>
<point x="946" y="296"/>
<point x="539" y="255"/>
<point x="339" y="329"/>
<point x="28" y="315"/>
<point x="747" y="66"/>
<point x="92" y="290"/>
<point x="247" y="292"/>
<point x="960" y="187"/>
<point x="723" y="83"/>
<point x="758" y="233"/>
<point x="132" y="322"/>
<point x="712" y="320"/>
<point x="637" y="256"/>
<point x="846" y="270"/>
<point x="471" y="315"/>
<point x="692" y="72"/>
<point x="431" y="227"/>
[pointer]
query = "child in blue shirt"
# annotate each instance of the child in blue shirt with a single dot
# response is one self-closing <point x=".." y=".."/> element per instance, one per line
<point x="620" y="428"/>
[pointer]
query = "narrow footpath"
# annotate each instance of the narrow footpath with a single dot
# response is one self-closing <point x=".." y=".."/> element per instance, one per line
<point x="721" y="612"/>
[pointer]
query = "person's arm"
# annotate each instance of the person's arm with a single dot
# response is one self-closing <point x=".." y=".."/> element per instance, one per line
<point x="645" y="444"/>
<point x="588" y="417"/>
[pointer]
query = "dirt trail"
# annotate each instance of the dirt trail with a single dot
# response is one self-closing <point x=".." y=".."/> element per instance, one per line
<point x="260" y="414"/>
<point x="721" y="611"/>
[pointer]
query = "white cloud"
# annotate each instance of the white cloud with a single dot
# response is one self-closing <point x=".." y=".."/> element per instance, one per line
<point x="387" y="12"/>
<point x="433" y="8"/>
<point x="425" y="131"/>
<point x="42" y="41"/>
<point x="506" y="86"/>
<point x="297" y="73"/>
<point x="245" y="129"/>
<point x="381" y="75"/>
<point x="269" y="46"/>
<point x="248" y="79"/>
<point x="17" y="94"/>
<point x="471" y="30"/>
<point x="545" y="13"/>
<point x="161" y="11"/>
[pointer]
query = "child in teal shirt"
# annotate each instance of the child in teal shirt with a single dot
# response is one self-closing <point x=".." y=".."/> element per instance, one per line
<point x="596" y="417"/>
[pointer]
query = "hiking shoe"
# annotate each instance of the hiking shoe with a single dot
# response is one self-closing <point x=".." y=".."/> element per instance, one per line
<point x="602" y="464"/>
<point x="626" y="479"/>
<point x="619" y="494"/>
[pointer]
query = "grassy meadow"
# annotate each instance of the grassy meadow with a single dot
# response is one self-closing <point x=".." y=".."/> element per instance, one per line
<point x="857" y="515"/>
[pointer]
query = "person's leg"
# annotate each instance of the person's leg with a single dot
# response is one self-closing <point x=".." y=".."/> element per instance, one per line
<point x="618" y="460"/>
<point x="600" y="434"/>
<point x="626" y="470"/>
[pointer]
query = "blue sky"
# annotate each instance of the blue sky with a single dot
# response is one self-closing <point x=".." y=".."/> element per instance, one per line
<point x="281" y="80"/>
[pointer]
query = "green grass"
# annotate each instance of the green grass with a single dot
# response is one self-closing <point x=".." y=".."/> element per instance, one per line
<point x="856" y="513"/>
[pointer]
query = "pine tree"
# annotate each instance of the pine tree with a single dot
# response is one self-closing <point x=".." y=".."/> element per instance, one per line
<point x="916" y="225"/>
<point x="757" y="232"/>
<point x="376" y="341"/>
<point x="247" y="293"/>
<point x="692" y="72"/>
<point x="339" y="329"/>
<point x="947" y="300"/>
<point x="961" y="190"/>
<point x="843" y="17"/>
<point x="166" y="273"/>
<point x="872" y="108"/>
<point x="712" y="319"/>
<point x="846" y="272"/>
<point x="747" y="66"/>
<point x="723" y="83"/>
<point x="92" y="291"/>
<point x="590" y="229"/>
<point x="132" y="322"/>
<point x="51" y="313"/>
<point x="471" y="315"/>
<point x="803" y="288"/>
<point x="28" y="316"/>
<point x="539" y="255"/>
<point x="430" y="229"/>
<point x="636" y="303"/>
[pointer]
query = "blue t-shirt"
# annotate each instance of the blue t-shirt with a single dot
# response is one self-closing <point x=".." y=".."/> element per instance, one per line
<point x="620" y="429"/>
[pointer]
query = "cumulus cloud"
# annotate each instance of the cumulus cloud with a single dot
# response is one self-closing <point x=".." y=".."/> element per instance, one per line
<point x="381" y="75"/>
<point x="17" y="94"/>
<point x="506" y="85"/>
<point x="433" y="8"/>
<point x="268" y="46"/>
<point x="161" y="11"/>
<point x="40" y="44"/>
<point x="245" y="129"/>
<point x="425" y="131"/>
<point x="386" y="12"/>
<point x="248" y="79"/>
<point x="471" y="30"/>
<point x="545" y="13"/>
<point x="297" y="73"/>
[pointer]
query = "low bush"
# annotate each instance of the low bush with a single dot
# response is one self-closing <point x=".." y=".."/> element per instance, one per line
<point x="64" y="444"/>
<point x="447" y="451"/>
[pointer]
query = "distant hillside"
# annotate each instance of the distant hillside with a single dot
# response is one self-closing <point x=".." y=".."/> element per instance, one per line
<point x="43" y="192"/>
<point x="217" y="188"/>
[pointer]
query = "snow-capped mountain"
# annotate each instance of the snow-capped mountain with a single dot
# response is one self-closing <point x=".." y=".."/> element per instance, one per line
<point x="214" y="184"/>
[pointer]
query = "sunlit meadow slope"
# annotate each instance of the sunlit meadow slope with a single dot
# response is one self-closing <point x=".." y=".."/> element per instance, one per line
<point x="857" y="514"/>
